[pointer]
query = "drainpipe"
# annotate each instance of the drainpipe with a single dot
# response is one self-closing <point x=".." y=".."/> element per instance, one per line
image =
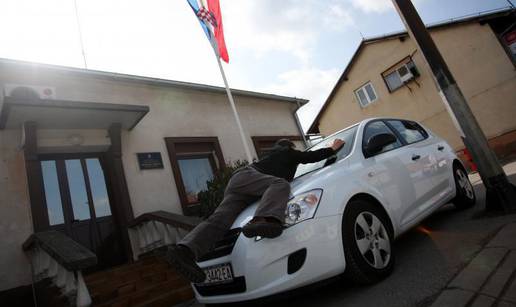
<point x="298" y="123"/>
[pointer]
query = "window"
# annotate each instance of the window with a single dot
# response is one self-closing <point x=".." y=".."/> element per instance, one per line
<point x="347" y="136"/>
<point x="396" y="76"/>
<point x="411" y="132"/>
<point x="98" y="188"/>
<point x="52" y="193"/>
<point x="263" y="144"/>
<point x="195" y="172"/>
<point x="77" y="186"/>
<point x="379" y="127"/>
<point x="194" y="161"/>
<point x="366" y="94"/>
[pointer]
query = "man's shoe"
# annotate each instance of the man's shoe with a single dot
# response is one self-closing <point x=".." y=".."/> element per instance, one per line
<point x="182" y="259"/>
<point x="264" y="227"/>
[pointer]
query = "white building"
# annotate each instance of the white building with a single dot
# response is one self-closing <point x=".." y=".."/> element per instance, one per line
<point x="70" y="143"/>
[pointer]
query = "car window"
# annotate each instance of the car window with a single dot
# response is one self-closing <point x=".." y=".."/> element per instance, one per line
<point x="379" y="127"/>
<point x="347" y="136"/>
<point x="411" y="132"/>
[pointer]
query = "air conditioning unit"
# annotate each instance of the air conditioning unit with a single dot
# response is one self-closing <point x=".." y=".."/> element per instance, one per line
<point x="405" y="74"/>
<point x="29" y="91"/>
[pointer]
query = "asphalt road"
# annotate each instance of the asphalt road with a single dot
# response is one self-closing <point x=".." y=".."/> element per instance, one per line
<point x="427" y="257"/>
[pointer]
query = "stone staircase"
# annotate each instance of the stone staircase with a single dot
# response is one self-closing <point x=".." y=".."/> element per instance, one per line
<point x="150" y="281"/>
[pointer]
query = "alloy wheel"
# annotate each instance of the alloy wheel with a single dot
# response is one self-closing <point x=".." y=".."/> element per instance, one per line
<point x="464" y="184"/>
<point x="372" y="240"/>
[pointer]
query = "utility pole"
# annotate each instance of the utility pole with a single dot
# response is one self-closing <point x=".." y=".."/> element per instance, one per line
<point x="500" y="193"/>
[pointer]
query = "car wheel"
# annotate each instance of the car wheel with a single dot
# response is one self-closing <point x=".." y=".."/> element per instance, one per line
<point x="465" y="194"/>
<point x="367" y="239"/>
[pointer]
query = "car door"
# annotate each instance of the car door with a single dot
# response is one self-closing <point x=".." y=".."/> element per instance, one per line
<point x="420" y="158"/>
<point x="388" y="171"/>
<point x="444" y="168"/>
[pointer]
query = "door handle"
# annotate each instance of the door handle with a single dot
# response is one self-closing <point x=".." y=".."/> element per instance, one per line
<point x="415" y="157"/>
<point x="440" y="147"/>
<point x="75" y="220"/>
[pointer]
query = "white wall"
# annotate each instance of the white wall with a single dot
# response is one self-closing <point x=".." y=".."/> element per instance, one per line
<point x="15" y="220"/>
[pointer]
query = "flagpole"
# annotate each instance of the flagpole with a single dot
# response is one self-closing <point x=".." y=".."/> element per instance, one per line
<point x="235" y="113"/>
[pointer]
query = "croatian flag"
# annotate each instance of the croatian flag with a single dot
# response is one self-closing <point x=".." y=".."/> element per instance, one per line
<point x="211" y="21"/>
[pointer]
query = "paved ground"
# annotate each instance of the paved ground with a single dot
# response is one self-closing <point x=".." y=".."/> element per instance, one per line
<point x="428" y="260"/>
<point x="489" y="279"/>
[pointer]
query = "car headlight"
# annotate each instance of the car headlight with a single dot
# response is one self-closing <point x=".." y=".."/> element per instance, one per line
<point x="302" y="207"/>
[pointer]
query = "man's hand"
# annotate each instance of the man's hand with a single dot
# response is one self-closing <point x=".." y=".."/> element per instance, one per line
<point x="337" y="144"/>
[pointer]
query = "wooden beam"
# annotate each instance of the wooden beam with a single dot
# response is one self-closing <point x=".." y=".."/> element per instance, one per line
<point x="34" y="179"/>
<point x="123" y="212"/>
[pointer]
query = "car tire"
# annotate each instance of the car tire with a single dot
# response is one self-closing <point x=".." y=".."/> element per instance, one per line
<point x="367" y="239"/>
<point x="465" y="194"/>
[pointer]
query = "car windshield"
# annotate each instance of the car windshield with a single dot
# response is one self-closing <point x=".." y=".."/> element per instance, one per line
<point x="347" y="136"/>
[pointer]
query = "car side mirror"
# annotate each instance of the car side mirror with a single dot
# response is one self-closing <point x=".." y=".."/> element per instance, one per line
<point x="377" y="143"/>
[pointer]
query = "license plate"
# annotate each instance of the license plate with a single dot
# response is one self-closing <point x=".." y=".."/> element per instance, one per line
<point x="218" y="274"/>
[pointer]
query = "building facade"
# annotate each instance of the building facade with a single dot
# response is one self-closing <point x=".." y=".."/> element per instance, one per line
<point x="85" y="152"/>
<point x="388" y="77"/>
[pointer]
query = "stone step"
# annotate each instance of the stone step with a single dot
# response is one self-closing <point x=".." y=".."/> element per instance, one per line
<point x="149" y="297"/>
<point x="171" y="298"/>
<point x="124" y="269"/>
<point x="160" y="270"/>
<point x="148" y="282"/>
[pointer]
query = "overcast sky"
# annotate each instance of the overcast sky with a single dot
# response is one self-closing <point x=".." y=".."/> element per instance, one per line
<point x="288" y="47"/>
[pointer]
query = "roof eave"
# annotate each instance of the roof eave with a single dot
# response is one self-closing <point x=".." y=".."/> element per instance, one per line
<point x="153" y="81"/>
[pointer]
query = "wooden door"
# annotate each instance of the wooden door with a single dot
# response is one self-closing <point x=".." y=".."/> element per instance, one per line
<point x="78" y="204"/>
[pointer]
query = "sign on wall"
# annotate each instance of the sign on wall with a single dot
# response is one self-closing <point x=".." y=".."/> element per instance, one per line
<point x="149" y="160"/>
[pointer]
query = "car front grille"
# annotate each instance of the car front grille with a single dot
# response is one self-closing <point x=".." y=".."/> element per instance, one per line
<point x="223" y="247"/>
<point x="235" y="286"/>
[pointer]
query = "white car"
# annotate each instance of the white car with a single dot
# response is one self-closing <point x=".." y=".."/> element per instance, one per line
<point x="344" y="214"/>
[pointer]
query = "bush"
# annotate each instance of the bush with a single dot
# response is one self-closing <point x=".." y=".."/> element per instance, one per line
<point x="211" y="198"/>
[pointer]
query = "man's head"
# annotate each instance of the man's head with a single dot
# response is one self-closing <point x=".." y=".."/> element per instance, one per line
<point x="285" y="143"/>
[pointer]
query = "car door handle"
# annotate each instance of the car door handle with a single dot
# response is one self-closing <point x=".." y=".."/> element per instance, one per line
<point x="440" y="147"/>
<point x="415" y="157"/>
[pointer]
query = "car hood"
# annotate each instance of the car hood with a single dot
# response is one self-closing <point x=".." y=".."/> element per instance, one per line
<point x="299" y="185"/>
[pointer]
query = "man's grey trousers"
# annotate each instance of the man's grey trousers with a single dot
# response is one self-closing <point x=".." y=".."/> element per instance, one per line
<point x="245" y="186"/>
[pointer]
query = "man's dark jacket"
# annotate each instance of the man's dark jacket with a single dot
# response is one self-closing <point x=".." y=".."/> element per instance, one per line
<point x="282" y="161"/>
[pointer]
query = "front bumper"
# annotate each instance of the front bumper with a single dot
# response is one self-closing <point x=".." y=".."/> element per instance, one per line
<point x="260" y="267"/>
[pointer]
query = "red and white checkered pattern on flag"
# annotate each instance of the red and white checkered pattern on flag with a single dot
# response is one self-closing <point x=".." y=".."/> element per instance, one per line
<point x="207" y="16"/>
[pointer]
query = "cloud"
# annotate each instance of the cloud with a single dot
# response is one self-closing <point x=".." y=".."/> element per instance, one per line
<point x="309" y="83"/>
<point x="338" y="17"/>
<point x="287" y="26"/>
<point x="372" y="6"/>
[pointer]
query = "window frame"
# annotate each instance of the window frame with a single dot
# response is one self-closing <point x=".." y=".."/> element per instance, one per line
<point x="260" y="142"/>
<point x="369" y="100"/>
<point x="406" y="60"/>
<point x="400" y="138"/>
<point x="193" y="156"/>
<point x="192" y="147"/>
<point x="394" y="132"/>
<point x="425" y="134"/>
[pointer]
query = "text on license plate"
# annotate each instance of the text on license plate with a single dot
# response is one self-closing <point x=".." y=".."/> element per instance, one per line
<point x="218" y="274"/>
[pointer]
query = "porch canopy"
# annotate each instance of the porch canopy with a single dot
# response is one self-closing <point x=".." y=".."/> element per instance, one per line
<point x="65" y="114"/>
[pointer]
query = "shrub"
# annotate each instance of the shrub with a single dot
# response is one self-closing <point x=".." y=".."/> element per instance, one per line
<point x="211" y="198"/>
